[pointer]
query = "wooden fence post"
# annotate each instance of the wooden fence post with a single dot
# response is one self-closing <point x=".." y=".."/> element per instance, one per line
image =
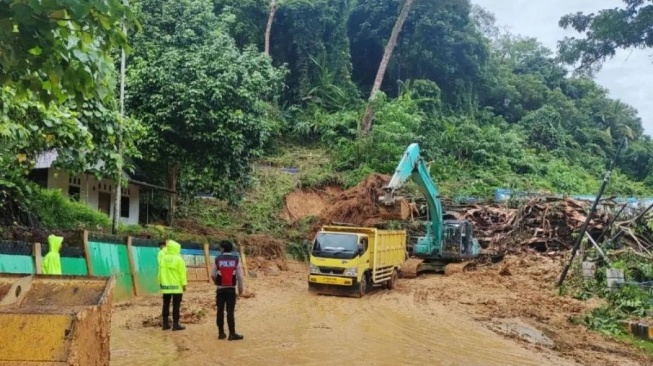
<point x="207" y="261"/>
<point x="87" y="253"/>
<point x="132" y="267"/>
<point x="38" y="258"/>
<point x="242" y="256"/>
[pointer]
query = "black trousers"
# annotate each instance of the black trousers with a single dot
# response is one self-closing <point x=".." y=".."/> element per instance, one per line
<point x="176" y="304"/>
<point x="226" y="297"/>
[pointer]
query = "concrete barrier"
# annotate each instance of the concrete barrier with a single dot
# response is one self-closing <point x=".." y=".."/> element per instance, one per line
<point x="640" y="330"/>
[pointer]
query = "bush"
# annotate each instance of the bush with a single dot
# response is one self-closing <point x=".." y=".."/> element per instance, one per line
<point x="56" y="211"/>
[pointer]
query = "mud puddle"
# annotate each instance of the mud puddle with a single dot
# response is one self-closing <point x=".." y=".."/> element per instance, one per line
<point x="285" y="325"/>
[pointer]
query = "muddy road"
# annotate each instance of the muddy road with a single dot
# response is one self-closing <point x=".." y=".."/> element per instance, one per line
<point x="432" y="320"/>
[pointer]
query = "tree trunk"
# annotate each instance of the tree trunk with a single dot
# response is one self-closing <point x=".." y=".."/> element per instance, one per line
<point x="173" y="177"/>
<point x="366" y="123"/>
<point x="268" y="28"/>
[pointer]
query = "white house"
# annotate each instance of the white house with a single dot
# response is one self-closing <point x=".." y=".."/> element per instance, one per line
<point x="97" y="194"/>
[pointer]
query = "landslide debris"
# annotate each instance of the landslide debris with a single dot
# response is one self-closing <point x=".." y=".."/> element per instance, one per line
<point x="360" y="205"/>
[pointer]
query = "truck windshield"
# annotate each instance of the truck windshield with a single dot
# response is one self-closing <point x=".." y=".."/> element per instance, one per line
<point x="332" y="245"/>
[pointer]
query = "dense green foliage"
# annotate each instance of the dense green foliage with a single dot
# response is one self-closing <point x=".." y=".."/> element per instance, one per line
<point x="489" y="109"/>
<point x="203" y="100"/>
<point x="627" y="302"/>
<point x="56" y="211"/>
<point x="605" y="33"/>
<point x="59" y="87"/>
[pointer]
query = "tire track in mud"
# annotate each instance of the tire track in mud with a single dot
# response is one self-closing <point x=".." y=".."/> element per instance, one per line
<point x="441" y="336"/>
<point x="286" y="325"/>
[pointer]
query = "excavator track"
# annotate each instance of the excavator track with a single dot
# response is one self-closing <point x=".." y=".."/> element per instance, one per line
<point x="452" y="268"/>
<point x="410" y="267"/>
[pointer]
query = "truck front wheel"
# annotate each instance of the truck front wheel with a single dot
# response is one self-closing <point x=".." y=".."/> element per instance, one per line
<point x="362" y="286"/>
<point x="392" y="282"/>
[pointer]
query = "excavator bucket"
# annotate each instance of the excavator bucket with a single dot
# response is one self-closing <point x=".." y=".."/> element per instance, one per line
<point x="411" y="268"/>
<point x="55" y="320"/>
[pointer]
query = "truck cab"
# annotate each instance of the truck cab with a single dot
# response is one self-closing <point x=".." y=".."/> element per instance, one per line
<point x="350" y="260"/>
<point x="338" y="258"/>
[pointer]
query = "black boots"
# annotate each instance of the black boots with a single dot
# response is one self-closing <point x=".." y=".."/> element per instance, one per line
<point x="235" y="337"/>
<point x="232" y="336"/>
<point x="166" y="324"/>
<point x="175" y="326"/>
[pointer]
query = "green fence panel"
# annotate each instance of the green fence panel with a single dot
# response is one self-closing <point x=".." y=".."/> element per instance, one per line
<point x="111" y="259"/>
<point x="16" y="264"/>
<point x="16" y="257"/>
<point x="73" y="266"/>
<point x="147" y="269"/>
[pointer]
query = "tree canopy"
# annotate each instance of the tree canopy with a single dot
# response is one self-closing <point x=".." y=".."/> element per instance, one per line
<point x="59" y="85"/>
<point x="204" y="101"/>
<point x="605" y="33"/>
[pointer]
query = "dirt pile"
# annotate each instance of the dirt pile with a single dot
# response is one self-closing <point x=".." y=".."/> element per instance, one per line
<point x="360" y="205"/>
<point x="193" y="227"/>
<point x="542" y="224"/>
<point x="261" y="245"/>
<point x="523" y="287"/>
<point x="304" y="203"/>
<point x="40" y="235"/>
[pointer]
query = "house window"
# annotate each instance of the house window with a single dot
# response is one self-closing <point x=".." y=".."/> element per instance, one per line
<point x="74" y="192"/>
<point x="124" y="207"/>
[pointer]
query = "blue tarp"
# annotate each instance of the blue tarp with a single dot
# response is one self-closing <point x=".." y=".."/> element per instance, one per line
<point x="502" y="194"/>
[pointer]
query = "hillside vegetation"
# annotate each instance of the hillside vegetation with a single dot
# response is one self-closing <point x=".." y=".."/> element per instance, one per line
<point x="204" y="103"/>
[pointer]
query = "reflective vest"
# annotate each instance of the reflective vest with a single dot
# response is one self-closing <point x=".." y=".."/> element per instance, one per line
<point x="227" y="265"/>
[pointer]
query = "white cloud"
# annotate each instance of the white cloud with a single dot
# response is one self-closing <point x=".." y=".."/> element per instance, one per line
<point x="626" y="75"/>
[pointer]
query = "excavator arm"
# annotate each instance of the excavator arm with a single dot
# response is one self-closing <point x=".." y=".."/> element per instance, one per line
<point x="430" y="247"/>
<point x="412" y="166"/>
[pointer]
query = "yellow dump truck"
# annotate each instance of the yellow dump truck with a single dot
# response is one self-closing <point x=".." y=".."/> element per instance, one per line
<point x="347" y="260"/>
<point x="55" y="320"/>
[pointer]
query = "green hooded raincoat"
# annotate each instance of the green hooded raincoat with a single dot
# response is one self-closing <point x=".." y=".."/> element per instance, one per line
<point x="172" y="269"/>
<point x="52" y="260"/>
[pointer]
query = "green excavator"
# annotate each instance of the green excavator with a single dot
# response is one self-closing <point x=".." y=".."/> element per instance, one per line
<point x="448" y="244"/>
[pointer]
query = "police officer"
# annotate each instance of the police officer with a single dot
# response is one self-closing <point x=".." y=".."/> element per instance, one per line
<point x="227" y="273"/>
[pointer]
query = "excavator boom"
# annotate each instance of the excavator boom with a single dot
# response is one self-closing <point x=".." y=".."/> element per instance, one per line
<point x="412" y="166"/>
<point x="444" y="242"/>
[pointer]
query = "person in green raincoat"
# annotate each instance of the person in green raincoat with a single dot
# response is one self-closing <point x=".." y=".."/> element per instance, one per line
<point x="172" y="281"/>
<point x="52" y="260"/>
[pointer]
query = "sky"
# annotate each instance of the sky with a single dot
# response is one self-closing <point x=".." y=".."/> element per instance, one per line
<point x="626" y="75"/>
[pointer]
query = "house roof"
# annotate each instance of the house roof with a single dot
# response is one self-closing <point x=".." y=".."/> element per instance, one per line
<point x="46" y="159"/>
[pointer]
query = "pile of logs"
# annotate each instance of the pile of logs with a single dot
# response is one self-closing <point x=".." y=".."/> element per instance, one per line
<point x="545" y="224"/>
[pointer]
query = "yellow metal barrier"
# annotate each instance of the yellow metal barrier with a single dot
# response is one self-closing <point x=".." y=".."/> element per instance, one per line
<point x="60" y="320"/>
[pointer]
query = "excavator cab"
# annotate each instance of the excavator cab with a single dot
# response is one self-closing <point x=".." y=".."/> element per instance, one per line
<point x="458" y="239"/>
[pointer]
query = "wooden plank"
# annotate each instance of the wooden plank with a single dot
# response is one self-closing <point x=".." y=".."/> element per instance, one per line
<point x="38" y="258"/>
<point x="132" y="267"/>
<point x="207" y="261"/>
<point x="87" y="253"/>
